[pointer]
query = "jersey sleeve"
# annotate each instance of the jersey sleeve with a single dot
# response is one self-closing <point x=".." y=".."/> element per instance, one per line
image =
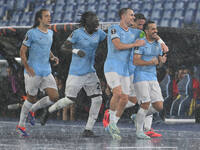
<point x="102" y="35"/>
<point x="141" y="34"/>
<point x="73" y="37"/>
<point x="28" y="39"/>
<point x="139" y="51"/>
<point x="114" y="33"/>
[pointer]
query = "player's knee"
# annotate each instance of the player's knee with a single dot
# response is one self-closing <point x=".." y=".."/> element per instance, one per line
<point x="124" y="98"/>
<point x="158" y="106"/>
<point x="145" y="105"/>
<point x="132" y="99"/>
<point x="54" y="98"/>
<point x="31" y="99"/>
<point x="117" y="92"/>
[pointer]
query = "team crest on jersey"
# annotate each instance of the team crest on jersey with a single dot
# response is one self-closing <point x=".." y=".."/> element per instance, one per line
<point x="113" y="31"/>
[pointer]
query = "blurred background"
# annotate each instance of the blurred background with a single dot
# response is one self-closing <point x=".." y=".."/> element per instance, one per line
<point x="178" y="22"/>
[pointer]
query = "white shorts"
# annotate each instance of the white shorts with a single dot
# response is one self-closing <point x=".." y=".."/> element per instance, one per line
<point x="89" y="82"/>
<point x="114" y="80"/>
<point x="32" y="84"/>
<point x="132" y="89"/>
<point x="148" y="91"/>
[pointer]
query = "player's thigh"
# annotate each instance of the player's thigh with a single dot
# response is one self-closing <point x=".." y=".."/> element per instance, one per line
<point x="74" y="85"/>
<point x="155" y="93"/>
<point x="48" y="82"/>
<point x="52" y="93"/>
<point x="116" y="81"/>
<point x="92" y="85"/>
<point x="32" y="84"/>
<point x="49" y="85"/>
<point x="112" y="79"/>
<point x="142" y="92"/>
<point x="125" y="84"/>
<point x="132" y="93"/>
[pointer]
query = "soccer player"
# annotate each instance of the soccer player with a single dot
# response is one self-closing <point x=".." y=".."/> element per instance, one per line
<point x="120" y="42"/>
<point x="37" y="73"/>
<point x="83" y="43"/>
<point x="139" y="22"/>
<point x="145" y="80"/>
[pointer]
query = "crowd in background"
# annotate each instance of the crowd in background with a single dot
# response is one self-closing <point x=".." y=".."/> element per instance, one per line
<point x="12" y="92"/>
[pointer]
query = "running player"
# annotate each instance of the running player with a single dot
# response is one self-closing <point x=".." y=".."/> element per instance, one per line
<point x="37" y="74"/>
<point x="83" y="43"/>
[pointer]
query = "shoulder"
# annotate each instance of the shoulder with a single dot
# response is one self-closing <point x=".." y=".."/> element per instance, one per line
<point x="78" y="31"/>
<point x="31" y="31"/>
<point x="134" y="30"/>
<point x="114" y="26"/>
<point x="100" y="31"/>
<point x="50" y="31"/>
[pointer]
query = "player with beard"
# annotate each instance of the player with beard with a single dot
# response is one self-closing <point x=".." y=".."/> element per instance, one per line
<point x="83" y="43"/>
<point x="139" y="22"/>
<point x="146" y="86"/>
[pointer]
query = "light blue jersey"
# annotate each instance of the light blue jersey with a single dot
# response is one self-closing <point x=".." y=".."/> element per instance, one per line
<point x="148" y="52"/>
<point x="131" y="66"/>
<point x="141" y="37"/>
<point x="39" y="47"/>
<point x="87" y="43"/>
<point x="118" y="60"/>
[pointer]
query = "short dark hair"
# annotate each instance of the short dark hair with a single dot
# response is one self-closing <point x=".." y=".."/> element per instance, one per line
<point x="123" y="11"/>
<point x="147" y="24"/>
<point x="85" y="16"/>
<point x="139" y="16"/>
<point x="38" y="15"/>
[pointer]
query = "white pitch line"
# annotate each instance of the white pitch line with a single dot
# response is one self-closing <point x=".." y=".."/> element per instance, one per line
<point x="141" y="147"/>
<point x="179" y="120"/>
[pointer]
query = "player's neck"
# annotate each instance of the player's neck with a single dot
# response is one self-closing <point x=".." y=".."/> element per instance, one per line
<point x="150" y="40"/>
<point x="123" y="26"/>
<point x="43" y="28"/>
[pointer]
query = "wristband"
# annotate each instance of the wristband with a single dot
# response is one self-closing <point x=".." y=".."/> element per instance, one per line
<point x="75" y="51"/>
<point x="161" y="41"/>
